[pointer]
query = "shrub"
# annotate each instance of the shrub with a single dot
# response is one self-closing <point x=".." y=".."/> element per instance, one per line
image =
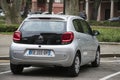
<point x="2" y="17"/>
<point x="2" y="20"/>
<point x="8" y="28"/>
<point x="104" y="23"/>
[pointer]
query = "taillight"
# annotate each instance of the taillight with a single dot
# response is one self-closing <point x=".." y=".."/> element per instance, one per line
<point x="67" y="37"/>
<point x="17" y="36"/>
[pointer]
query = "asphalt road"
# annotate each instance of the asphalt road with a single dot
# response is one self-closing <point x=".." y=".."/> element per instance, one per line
<point x="109" y="70"/>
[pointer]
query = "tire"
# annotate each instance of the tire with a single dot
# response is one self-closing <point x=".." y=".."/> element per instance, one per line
<point x="75" y="68"/>
<point x="96" y="62"/>
<point x="16" y="69"/>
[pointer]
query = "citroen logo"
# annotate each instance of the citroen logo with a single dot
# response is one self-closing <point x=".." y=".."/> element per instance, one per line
<point x="40" y="38"/>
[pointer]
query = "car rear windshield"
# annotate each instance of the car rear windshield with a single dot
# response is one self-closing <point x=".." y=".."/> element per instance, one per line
<point x="44" y="26"/>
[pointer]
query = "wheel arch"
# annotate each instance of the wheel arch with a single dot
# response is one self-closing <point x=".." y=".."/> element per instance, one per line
<point x="79" y="53"/>
<point x="98" y="48"/>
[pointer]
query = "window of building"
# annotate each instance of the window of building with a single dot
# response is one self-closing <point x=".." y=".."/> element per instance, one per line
<point x="41" y="1"/>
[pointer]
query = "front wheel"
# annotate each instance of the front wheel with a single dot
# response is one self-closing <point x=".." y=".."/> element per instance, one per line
<point x="96" y="62"/>
<point x="75" y="68"/>
<point x="16" y="69"/>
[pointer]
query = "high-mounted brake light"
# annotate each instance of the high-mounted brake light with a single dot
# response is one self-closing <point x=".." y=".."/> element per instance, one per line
<point x="17" y="36"/>
<point x="67" y="37"/>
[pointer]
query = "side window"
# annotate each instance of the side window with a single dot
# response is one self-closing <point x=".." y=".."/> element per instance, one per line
<point x="86" y="28"/>
<point x="77" y="25"/>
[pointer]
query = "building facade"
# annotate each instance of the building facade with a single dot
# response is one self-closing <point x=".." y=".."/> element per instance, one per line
<point x="43" y="5"/>
<point x="107" y="9"/>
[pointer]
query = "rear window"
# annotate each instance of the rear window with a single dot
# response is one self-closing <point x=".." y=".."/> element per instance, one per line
<point x="44" y="26"/>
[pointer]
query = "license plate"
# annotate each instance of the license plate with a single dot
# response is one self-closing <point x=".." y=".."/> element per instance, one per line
<point x="40" y="53"/>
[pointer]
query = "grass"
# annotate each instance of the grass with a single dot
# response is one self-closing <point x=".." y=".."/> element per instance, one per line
<point x="108" y="34"/>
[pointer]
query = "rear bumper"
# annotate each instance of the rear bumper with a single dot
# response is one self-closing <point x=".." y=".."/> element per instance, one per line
<point x="64" y="55"/>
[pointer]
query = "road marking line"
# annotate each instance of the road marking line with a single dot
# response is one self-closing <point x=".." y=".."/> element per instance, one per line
<point x="10" y="71"/>
<point x="5" y="72"/>
<point x="4" y="63"/>
<point x="109" y="76"/>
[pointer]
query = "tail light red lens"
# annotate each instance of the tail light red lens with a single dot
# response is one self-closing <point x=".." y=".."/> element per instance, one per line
<point x="17" y="36"/>
<point x="67" y="37"/>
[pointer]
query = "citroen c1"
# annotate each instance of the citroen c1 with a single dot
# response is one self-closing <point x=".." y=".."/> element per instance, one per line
<point x="54" y="40"/>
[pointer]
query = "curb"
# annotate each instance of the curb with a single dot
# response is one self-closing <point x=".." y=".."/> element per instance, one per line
<point x="109" y="55"/>
<point x="109" y="43"/>
<point x="4" y="58"/>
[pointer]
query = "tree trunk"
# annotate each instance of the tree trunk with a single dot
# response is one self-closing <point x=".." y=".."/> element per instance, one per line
<point x="72" y="7"/>
<point x="95" y="9"/>
<point x="12" y="11"/>
<point x="26" y="8"/>
<point x="50" y="6"/>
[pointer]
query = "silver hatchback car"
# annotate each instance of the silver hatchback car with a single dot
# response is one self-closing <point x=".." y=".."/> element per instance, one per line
<point x="54" y="40"/>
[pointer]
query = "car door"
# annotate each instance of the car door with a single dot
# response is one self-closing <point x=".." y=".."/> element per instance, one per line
<point x="81" y="40"/>
<point x="90" y="41"/>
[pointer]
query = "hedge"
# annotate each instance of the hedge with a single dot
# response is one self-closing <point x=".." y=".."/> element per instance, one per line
<point x="8" y="28"/>
<point x="104" y="23"/>
<point x="2" y="18"/>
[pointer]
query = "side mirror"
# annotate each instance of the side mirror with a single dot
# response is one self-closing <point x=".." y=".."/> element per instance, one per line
<point x="96" y="33"/>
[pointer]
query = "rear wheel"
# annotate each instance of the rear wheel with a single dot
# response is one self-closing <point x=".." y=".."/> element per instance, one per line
<point x="96" y="62"/>
<point x="16" y="69"/>
<point x="75" y="68"/>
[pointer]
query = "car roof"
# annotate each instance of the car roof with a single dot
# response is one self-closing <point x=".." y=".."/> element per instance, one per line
<point x="63" y="17"/>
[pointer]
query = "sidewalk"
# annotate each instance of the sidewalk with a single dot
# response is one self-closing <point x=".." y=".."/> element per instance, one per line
<point x="107" y="49"/>
<point x="5" y="41"/>
<point x="110" y="49"/>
